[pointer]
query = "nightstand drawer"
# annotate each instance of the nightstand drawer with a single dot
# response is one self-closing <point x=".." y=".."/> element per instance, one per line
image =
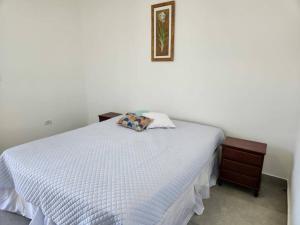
<point x="240" y="179"/>
<point x="248" y="170"/>
<point x="243" y="157"/>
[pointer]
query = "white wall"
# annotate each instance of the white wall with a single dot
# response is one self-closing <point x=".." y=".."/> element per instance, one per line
<point x="237" y="66"/>
<point x="40" y="70"/>
<point x="294" y="194"/>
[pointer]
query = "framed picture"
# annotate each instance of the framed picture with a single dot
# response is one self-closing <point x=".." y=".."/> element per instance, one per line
<point x="162" y="31"/>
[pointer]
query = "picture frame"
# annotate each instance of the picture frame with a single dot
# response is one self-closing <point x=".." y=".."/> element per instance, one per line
<point x="162" y="31"/>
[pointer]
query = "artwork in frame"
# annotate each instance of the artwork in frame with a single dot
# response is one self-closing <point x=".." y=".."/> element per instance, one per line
<point x="162" y="31"/>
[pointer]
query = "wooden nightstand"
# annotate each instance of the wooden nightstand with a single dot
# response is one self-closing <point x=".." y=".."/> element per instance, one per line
<point x="242" y="163"/>
<point x="107" y="116"/>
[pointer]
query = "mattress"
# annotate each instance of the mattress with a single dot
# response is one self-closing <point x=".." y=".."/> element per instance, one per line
<point x="109" y="175"/>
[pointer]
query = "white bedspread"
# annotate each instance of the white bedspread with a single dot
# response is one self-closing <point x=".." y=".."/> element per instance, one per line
<point x="104" y="174"/>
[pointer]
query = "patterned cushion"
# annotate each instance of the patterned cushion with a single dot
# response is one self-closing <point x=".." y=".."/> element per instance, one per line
<point x="132" y="121"/>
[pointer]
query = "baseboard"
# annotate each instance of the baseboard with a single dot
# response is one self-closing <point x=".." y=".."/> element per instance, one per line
<point x="271" y="175"/>
<point x="289" y="202"/>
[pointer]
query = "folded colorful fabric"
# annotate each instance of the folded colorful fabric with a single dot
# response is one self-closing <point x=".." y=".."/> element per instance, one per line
<point x="140" y="112"/>
<point x="132" y="121"/>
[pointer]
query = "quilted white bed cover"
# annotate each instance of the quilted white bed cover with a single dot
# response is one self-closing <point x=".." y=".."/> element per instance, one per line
<point x="104" y="174"/>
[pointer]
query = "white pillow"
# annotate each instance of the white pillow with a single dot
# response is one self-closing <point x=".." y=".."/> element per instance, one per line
<point x="160" y="120"/>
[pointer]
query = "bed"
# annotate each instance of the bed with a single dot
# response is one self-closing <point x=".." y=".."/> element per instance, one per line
<point x="105" y="174"/>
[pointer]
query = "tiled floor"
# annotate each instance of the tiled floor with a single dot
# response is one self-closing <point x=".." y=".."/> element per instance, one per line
<point x="228" y="205"/>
